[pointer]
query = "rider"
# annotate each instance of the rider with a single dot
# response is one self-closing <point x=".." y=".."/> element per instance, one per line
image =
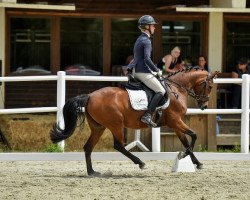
<point x="144" y="69"/>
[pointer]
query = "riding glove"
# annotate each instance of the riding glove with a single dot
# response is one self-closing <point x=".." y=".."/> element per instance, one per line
<point x="159" y="73"/>
<point x="130" y="75"/>
<point x="129" y="71"/>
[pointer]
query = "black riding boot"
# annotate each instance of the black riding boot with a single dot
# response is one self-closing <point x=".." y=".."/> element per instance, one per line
<point x="147" y="117"/>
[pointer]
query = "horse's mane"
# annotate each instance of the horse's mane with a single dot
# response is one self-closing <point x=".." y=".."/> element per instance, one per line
<point x="188" y="69"/>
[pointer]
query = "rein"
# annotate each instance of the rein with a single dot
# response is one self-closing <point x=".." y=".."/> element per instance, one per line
<point x="197" y="97"/>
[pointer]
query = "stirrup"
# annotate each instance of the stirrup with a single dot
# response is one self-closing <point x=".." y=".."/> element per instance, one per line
<point x="148" y="121"/>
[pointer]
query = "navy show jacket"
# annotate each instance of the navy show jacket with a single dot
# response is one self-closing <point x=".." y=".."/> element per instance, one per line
<point x="142" y="55"/>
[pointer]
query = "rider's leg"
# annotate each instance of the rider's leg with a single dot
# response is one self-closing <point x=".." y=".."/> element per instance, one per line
<point x="147" y="117"/>
<point x="154" y="84"/>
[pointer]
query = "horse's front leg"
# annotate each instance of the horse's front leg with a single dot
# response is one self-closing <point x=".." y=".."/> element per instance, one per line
<point x="193" y="138"/>
<point x="199" y="165"/>
<point x="181" y="130"/>
<point x="189" y="151"/>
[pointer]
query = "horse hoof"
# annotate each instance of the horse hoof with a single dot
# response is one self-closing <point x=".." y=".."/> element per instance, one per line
<point x="142" y="165"/>
<point x="181" y="155"/>
<point x="199" y="166"/>
<point x="94" y="174"/>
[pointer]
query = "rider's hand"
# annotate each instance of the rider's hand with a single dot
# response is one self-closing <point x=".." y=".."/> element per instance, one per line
<point x="130" y="75"/>
<point x="159" y="73"/>
<point x="154" y="73"/>
<point x="129" y="71"/>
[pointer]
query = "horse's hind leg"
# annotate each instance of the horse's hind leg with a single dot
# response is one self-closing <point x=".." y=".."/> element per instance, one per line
<point x="119" y="146"/>
<point x="96" y="132"/>
<point x="88" y="148"/>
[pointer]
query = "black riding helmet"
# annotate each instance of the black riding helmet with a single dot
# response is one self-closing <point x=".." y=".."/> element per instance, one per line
<point x="146" y="20"/>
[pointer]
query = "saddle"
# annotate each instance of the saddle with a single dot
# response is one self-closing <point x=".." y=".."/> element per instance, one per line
<point x="140" y="96"/>
<point x="137" y="85"/>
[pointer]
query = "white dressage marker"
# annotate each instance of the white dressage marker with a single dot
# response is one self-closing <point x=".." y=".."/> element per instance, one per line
<point x="183" y="165"/>
<point x="137" y="142"/>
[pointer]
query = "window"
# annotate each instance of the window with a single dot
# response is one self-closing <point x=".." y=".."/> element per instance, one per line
<point x="82" y="43"/>
<point x="30" y="43"/>
<point x="124" y="32"/>
<point x="237" y="43"/>
<point x="185" y="34"/>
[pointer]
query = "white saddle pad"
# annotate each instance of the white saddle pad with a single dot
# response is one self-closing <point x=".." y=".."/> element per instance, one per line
<point x="139" y="100"/>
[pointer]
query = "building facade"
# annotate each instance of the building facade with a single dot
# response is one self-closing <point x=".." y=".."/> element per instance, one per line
<point x="43" y="38"/>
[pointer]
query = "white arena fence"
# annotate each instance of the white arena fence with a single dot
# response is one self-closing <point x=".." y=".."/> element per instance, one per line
<point x="61" y="79"/>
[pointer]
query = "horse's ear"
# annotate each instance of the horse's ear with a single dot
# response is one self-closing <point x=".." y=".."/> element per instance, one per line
<point x="213" y="75"/>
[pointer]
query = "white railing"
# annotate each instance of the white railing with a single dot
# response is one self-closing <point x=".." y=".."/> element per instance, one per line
<point x="61" y="79"/>
<point x="244" y="111"/>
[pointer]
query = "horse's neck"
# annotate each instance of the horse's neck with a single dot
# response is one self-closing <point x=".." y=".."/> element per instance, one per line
<point x="185" y="82"/>
<point x="187" y="79"/>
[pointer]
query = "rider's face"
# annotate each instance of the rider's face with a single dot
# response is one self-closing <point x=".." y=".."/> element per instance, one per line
<point x="152" y="28"/>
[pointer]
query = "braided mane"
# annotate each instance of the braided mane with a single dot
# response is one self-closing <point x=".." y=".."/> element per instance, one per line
<point x="188" y="69"/>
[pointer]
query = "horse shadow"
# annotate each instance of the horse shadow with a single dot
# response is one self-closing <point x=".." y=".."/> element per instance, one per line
<point x="107" y="175"/>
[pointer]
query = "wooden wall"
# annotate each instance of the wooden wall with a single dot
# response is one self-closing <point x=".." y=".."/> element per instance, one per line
<point x="43" y="93"/>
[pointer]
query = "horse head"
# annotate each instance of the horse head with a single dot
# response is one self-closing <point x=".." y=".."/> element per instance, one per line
<point x="202" y="89"/>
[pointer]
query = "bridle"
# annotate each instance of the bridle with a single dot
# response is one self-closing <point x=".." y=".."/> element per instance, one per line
<point x="201" y="97"/>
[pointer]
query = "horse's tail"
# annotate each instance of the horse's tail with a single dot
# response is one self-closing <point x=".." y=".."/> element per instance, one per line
<point x="72" y="110"/>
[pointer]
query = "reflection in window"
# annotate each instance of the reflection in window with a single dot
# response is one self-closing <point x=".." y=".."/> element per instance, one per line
<point x="82" y="43"/>
<point x="186" y="35"/>
<point x="30" y="43"/>
<point x="123" y="36"/>
<point x="237" y="43"/>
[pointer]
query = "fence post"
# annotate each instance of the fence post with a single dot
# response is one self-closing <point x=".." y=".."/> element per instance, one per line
<point x="156" y="139"/>
<point x="60" y="102"/>
<point x="245" y="114"/>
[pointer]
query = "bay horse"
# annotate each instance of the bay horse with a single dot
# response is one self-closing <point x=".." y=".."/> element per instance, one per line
<point x="110" y="108"/>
